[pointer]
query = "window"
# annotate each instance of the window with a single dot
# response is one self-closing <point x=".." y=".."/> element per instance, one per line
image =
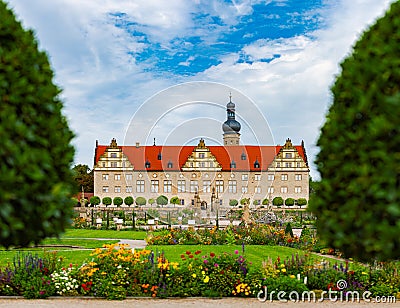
<point x="170" y="165"/>
<point x="284" y="177"/>
<point x="117" y="177"/>
<point x="154" y="186"/>
<point x="104" y="164"/>
<point x="278" y="165"/>
<point x="181" y="186"/>
<point x="244" y="189"/>
<point x="219" y="185"/>
<point x="159" y="156"/>
<point x="117" y="189"/>
<point x="297" y="189"/>
<point x="271" y="177"/>
<point x="233" y="164"/>
<point x="202" y="164"/>
<point x="147" y="164"/>
<point x="194" y="186"/>
<point x="243" y="156"/>
<point x="128" y="189"/>
<point x="182" y="201"/>
<point x="113" y="155"/>
<point x="105" y="189"/>
<point x="140" y="186"/>
<point x="167" y="186"/>
<point x="257" y="190"/>
<point x="271" y="190"/>
<point x="284" y="189"/>
<point x="297" y="177"/>
<point x="207" y="186"/>
<point x="298" y="164"/>
<point x="201" y="155"/>
<point x="256" y="164"/>
<point x="114" y="164"/>
<point x="128" y="177"/>
<point x="288" y="155"/>
<point x="288" y="165"/>
<point x="105" y="176"/>
<point x="232" y="186"/>
<point x="257" y="177"/>
<point x="245" y="177"/>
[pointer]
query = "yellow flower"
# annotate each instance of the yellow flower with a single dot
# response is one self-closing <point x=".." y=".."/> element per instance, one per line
<point x="282" y="265"/>
<point x="292" y="276"/>
<point x="364" y="273"/>
<point x="203" y="272"/>
<point x="194" y="275"/>
<point x="207" y="279"/>
<point x="283" y="270"/>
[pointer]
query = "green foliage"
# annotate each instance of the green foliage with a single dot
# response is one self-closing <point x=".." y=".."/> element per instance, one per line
<point x="245" y="201"/>
<point x="129" y="200"/>
<point x="277" y="201"/>
<point x="256" y="202"/>
<point x="288" y="229"/>
<point x="35" y="173"/>
<point x="265" y="201"/>
<point x="152" y="201"/>
<point x="301" y="202"/>
<point x="162" y="200"/>
<point x="107" y="201"/>
<point x="357" y="201"/>
<point x="233" y="202"/>
<point x="95" y="200"/>
<point x="175" y="200"/>
<point x="289" y="202"/>
<point x="118" y="201"/>
<point x="83" y="177"/>
<point x="140" y="201"/>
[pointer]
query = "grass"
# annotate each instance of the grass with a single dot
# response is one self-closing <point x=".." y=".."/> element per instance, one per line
<point x="109" y="234"/>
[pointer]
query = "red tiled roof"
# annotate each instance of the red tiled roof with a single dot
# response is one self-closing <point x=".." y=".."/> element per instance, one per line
<point x="178" y="155"/>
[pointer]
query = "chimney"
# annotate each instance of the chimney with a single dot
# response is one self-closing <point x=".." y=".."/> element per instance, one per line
<point x="137" y="144"/>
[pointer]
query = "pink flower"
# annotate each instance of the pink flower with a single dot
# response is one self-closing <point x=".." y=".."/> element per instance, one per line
<point x="216" y="265"/>
<point x="236" y="252"/>
<point x="205" y="261"/>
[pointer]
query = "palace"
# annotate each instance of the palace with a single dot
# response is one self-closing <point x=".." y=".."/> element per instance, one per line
<point x="229" y="173"/>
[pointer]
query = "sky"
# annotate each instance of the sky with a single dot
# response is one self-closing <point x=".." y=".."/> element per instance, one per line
<point x="136" y="70"/>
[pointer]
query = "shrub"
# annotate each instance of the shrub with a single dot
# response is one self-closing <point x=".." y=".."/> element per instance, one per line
<point x="357" y="201"/>
<point x="107" y="201"/>
<point x="277" y="201"/>
<point x="35" y="154"/>
<point x="95" y="200"/>
<point x="233" y="202"/>
<point x="289" y="202"/>
<point x="140" y="201"/>
<point x="301" y="202"/>
<point x="162" y="200"/>
<point x="265" y="201"/>
<point x="118" y="201"/>
<point x="175" y="200"/>
<point x="128" y="201"/>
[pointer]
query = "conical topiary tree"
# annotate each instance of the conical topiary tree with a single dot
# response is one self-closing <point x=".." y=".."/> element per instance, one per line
<point x="35" y="153"/>
<point x="357" y="201"/>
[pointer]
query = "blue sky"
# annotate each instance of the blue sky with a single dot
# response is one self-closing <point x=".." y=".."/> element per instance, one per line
<point x="120" y="63"/>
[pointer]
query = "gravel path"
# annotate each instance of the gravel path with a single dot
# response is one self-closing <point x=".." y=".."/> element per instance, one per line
<point x="62" y="302"/>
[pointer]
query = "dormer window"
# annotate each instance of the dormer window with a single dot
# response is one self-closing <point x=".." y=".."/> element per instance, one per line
<point x="169" y="165"/>
<point x="147" y="164"/>
<point x="256" y="164"/>
<point x="113" y="155"/>
<point x="243" y="156"/>
<point x="159" y="156"/>
<point x="233" y="164"/>
<point x="288" y="155"/>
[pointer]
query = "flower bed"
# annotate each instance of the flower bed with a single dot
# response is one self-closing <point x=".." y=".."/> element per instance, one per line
<point x="116" y="274"/>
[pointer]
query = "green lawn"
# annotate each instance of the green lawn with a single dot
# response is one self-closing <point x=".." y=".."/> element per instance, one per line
<point x="83" y="233"/>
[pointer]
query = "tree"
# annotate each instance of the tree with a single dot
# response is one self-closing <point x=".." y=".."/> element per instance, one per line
<point x="162" y="200"/>
<point x="95" y="200"/>
<point x="118" y="201"/>
<point x="83" y="177"/>
<point x="106" y="201"/>
<point x="277" y="201"/>
<point x="288" y="229"/>
<point x="128" y="200"/>
<point x="289" y="202"/>
<point x="175" y="200"/>
<point x="265" y="201"/>
<point x="357" y="200"/>
<point x="152" y="201"/>
<point x="233" y="202"/>
<point x="36" y="154"/>
<point x="301" y="202"/>
<point x="140" y="201"/>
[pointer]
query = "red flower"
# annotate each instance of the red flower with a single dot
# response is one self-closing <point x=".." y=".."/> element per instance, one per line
<point x="188" y="252"/>
<point x="198" y="252"/>
<point x="212" y="255"/>
<point x="191" y="256"/>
